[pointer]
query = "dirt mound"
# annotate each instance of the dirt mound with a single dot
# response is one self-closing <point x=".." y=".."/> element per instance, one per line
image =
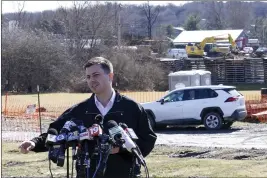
<point x="220" y="153"/>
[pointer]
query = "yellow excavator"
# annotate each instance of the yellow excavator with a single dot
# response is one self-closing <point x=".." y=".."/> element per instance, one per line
<point x="210" y="46"/>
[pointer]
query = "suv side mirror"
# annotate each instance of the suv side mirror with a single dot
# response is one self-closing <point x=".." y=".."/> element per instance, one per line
<point x="161" y="101"/>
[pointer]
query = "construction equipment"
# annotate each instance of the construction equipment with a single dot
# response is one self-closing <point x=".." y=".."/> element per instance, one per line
<point x="209" y="45"/>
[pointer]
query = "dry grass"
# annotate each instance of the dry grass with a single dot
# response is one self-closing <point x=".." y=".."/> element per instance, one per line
<point x="163" y="166"/>
<point x="159" y="165"/>
<point x="56" y="103"/>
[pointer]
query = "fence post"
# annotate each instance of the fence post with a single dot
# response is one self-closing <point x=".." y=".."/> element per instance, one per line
<point x="39" y="111"/>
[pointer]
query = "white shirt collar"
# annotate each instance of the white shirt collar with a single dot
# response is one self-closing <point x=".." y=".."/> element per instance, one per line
<point x="111" y="101"/>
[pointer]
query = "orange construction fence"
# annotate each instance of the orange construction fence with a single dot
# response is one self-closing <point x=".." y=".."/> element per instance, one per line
<point x="14" y="107"/>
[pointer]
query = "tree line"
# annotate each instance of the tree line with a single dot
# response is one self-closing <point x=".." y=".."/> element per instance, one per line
<point x="49" y="48"/>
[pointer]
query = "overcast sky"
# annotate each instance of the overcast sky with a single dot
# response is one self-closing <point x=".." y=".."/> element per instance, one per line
<point x="35" y="6"/>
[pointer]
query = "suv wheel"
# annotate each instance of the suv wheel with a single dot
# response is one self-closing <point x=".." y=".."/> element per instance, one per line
<point x="212" y="121"/>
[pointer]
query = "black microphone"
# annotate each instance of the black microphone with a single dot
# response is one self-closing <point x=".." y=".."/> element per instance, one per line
<point x="51" y="140"/>
<point x="104" y="144"/>
<point x="99" y="120"/>
<point x="111" y="128"/>
<point x="73" y="136"/>
<point x="68" y="126"/>
<point x="62" y="138"/>
<point x="115" y="131"/>
<point x="72" y="140"/>
<point x="84" y="137"/>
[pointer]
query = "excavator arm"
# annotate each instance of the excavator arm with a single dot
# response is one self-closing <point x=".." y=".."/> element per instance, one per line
<point x="206" y="40"/>
<point x="231" y="41"/>
<point x="212" y="39"/>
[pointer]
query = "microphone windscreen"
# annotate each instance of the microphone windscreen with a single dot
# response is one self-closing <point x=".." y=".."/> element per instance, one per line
<point x="108" y="125"/>
<point x="99" y="118"/>
<point x="111" y="124"/>
<point x="124" y="126"/>
<point x="52" y="131"/>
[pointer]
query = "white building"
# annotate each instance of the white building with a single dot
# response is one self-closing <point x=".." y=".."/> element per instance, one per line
<point x="197" y="36"/>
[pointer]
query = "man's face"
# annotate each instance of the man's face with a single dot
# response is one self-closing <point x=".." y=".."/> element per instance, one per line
<point x="97" y="80"/>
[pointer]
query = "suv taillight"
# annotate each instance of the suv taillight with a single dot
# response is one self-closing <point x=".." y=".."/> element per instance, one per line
<point x="231" y="99"/>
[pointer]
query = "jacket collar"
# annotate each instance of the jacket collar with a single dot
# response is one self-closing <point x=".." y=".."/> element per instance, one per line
<point x="92" y="106"/>
<point x="118" y="97"/>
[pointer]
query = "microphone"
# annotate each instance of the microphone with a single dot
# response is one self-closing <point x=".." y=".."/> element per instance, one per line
<point x="99" y="120"/>
<point x="73" y="137"/>
<point x="50" y="142"/>
<point x="72" y="140"/>
<point x="115" y="131"/>
<point x="68" y="126"/>
<point x="104" y="145"/>
<point x="51" y="138"/>
<point x="129" y="131"/>
<point x="95" y="130"/>
<point x="84" y="134"/>
<point x="62" y="138"/>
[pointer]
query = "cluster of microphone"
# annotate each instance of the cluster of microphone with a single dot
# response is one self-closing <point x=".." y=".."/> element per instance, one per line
<point x="74" y="134"/>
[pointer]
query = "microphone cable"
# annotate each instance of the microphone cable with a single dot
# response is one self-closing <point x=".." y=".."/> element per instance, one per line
<point x="72" y="165"/>
<point x="145" y="166"/>
<point x="98" y="166"/>
<point x="50" y="168"/>
<point x="146" y="170"/>
<point x="73" y="159"/>
<point x="101" y="157"/>
<point x="72" y="168"/>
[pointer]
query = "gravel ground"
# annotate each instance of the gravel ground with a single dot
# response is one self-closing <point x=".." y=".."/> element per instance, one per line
<point x="241" y="135"/>
<point x="242" y="141"/>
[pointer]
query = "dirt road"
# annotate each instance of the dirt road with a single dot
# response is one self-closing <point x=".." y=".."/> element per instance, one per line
<point x="242" y="141"/>
<point x="241" y="135"/>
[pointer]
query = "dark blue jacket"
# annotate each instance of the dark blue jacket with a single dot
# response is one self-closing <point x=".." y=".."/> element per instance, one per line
<point x="124" y="110"/>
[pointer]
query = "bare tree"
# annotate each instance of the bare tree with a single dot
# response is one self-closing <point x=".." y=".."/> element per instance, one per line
<point x="259" y="29"/>
<point x="74" y="20"/>
<point x="151" y="16"/>
<point x="29" y="59"/>
<point x="215" y="15"/>
<point x="238" y="19"/>
<point x="20" y="13"/>
<point x="86" y="25"/>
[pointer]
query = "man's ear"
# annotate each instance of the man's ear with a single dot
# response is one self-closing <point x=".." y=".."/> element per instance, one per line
<point x="111" y="75"/>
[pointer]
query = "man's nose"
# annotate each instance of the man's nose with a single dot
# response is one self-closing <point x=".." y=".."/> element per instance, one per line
<point x="91" y="80"/>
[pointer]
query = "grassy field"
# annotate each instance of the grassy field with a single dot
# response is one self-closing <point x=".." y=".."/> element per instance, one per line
<point x="57" y="102"/>
<point x="159" y="164"/>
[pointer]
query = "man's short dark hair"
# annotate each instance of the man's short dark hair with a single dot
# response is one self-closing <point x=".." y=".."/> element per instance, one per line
<point x="105" y="64"/>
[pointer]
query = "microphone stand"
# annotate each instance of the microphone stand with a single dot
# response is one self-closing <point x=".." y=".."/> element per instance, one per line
<point x="68" y="162"/>
<point x="73" y="158"/>
<point x="87" y="160"/>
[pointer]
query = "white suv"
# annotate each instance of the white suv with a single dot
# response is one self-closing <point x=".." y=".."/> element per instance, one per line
<point x="215" y="106"/>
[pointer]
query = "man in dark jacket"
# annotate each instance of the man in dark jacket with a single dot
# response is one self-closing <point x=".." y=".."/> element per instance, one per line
<point x="112" y="106"/>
